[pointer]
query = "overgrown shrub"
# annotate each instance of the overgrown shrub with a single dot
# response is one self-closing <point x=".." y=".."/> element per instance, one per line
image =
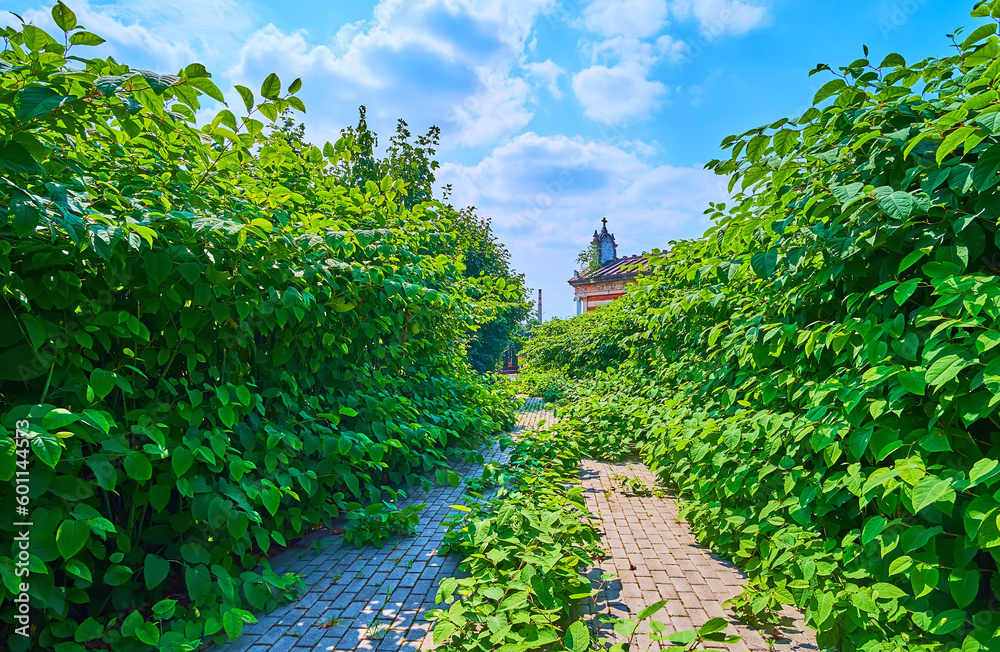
<point x="209" y="346"/>
<point x="818" y="375"/>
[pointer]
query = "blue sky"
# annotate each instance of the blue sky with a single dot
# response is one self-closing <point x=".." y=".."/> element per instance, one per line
<point x="554" y="114"/>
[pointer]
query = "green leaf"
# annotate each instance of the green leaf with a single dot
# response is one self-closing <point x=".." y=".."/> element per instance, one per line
<point x="989" y="121"/>
<point x="159" y="83"/>
<point x="577" y="637"/>
<point x="900" y="565"/>
<point x="158" y="267"/>
<point x="713" y="625"/>
<point x="924" y="580"/>
<point x="181" y="460"/>
<point x="951" y="142"/>
<point x="155" y="570"/>
<point x="36" y="333"/>
<point x="271" y="88"/>
<point x="940" y="624"/>
<point x="828" y="89"/>
<point x="269" y="110"/>
<point x="984" y="471"/>
<point x="892" y="60"/>
<point x="984" y="175"/>
<point x="963" y="584"/>
<point x="15" y="158"/>
<point x="199" y="583"/>
<point x="913" y="381"/>
<point x="271" y="498"/>
<point x="626" y="627"/>
<point x="944" y="369"/>
<point x="443" y="630"/>
<point x="928" y="491"/>
<point x="246" y="94"/>
<point x="904" y="291"/>
<point x="649" y="610"/>
<point x="897" y="205"/>
<point x="295" y="85"/>
<point x="980" y="33"/>
<point x="116" y="575"/>
<point x="47" y="448"/>
<point x="89" y="629"/>
<point x="683" y="638"/>
<point x="233" y="624"/>
<point x="102" y="381"/>
<point x="26" y="217"/>
<point x="35" y="38"/>
<point x="104" y="472"/>
<point x="71" y="537"/>
<point x="848" y="193"/>
<point x="888" y="591"/>
<point x="85" y="38"/>
<point x="164" y="609"/>
<point x="148" y="633"/>
<point x="764" y="264"/>
<point x="873" y="527"/>
<point x="39" y="101"/>
<point x="137" y="466"/>
<point x="64" y="17"/>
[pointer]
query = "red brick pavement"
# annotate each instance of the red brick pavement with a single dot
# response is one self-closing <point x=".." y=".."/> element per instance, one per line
<point x="657" y="557"/>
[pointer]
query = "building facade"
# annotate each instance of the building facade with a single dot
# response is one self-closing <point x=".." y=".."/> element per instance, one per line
<point x="612" y="277"/>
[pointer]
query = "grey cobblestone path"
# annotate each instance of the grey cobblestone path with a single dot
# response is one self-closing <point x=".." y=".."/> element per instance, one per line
<point x="657" y="557"/>
<point x="368" y="599"/>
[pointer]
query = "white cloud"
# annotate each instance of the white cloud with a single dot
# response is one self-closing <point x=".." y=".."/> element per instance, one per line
<point x="617" y="94"/>
<point x="549" y="73"/>
<point x="616" y="88"/>
<point x="718" y="17"/>
<point x="444" y="62"/>
<point x="632" y="18"/>
<point x="547" y="194"/>
<point x="157" y="35"/>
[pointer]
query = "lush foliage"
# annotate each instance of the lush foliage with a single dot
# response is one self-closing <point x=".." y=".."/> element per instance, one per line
<point x="487" y="258"/>
<point x="525" y="552"/>
<point x="589" y="258"/>
<point x="818" y="375"/>
<point x="498" y="291"/>
<point x="211" y="343"/>
<point x="377" y="522"/>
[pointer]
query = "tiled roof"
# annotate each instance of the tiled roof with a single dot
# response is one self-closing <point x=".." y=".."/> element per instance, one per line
<point x="613" y="270"/>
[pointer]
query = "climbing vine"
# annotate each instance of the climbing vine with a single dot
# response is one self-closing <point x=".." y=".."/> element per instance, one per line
<point x="210" y="346"/>
<point x="817" y="377"/>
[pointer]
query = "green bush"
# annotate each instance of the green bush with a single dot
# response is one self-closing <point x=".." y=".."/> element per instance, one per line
<point x="210" y="344"/>
<point x="818" y="375"/>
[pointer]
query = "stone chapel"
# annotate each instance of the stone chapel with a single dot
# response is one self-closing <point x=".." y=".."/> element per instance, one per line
<point x="608" y="281"/>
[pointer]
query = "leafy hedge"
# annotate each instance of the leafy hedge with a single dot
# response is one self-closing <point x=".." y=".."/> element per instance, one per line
<point x="210" y="344"/>
<point x="818" y="375"/>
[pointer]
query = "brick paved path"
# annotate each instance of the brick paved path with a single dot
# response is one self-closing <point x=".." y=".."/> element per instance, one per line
<point x="345" y="606"/>
<point x="656" y="557"/>
<point x="372" y="599"/>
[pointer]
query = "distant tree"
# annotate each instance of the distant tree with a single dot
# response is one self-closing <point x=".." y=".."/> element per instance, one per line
<point x="589" y="259"/>
<point x="485" y="257"/>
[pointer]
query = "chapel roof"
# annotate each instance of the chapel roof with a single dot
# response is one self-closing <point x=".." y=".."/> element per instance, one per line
<point x="617" y="269"/>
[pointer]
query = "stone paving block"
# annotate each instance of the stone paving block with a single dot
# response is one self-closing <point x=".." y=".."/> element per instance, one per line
<point x="284" y="644"/>
<point x="656" y="556"/>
